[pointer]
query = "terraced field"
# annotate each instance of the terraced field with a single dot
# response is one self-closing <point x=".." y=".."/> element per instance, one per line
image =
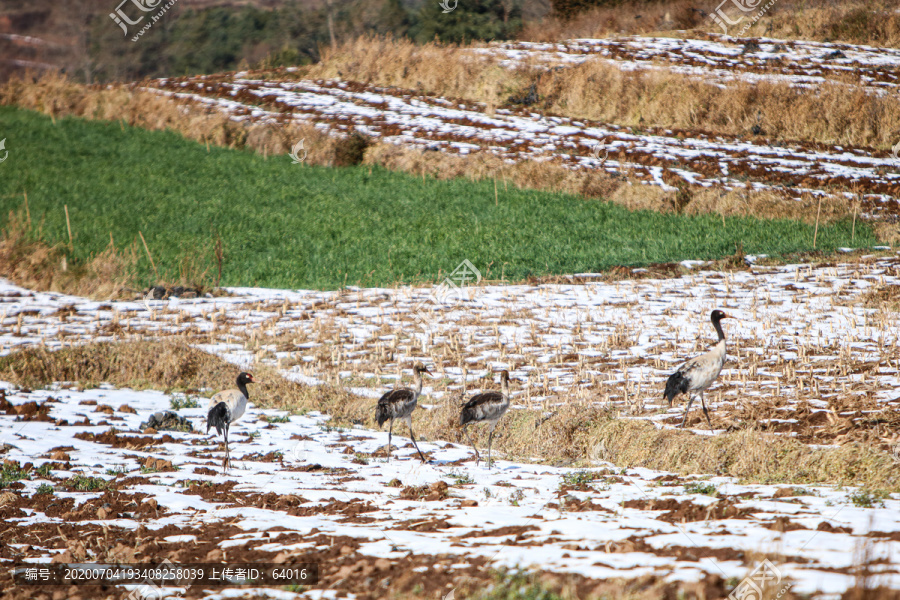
<point x="663" y="157"/>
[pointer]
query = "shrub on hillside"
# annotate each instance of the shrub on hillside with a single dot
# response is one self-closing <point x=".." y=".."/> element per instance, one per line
<point x="351" y="149"/>
<point x="471" y="20"/>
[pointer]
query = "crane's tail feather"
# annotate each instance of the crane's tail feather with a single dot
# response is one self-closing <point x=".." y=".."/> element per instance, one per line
<point x="217" y="417"/>
<point x="676" y="384"/>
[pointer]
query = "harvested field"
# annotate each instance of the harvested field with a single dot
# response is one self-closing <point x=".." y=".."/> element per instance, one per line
<point x="595" y="345"/>
<point x="813" y="352"/>
<point x="328" y="495"/>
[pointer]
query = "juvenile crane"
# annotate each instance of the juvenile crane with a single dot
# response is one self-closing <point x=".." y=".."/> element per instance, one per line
<point x="399" y="404"/>
<point x="696" y="375"/>
<point x="226" y="407"/>
<point x="489" y="406"/>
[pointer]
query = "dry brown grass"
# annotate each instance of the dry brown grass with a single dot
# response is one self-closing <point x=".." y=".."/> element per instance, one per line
<point x="874" y="23"/>
<point x="625" y="18"/>
<point x="600" y="91"/>
<point x="57" y="96"/>
<point x="35" y="265"/>
<point x="600" y="184"/>
<point x="525" y="174"/>
<point x="885" y="297"/>
<point x="887" y="231"/>
<point x="28" y="261"/>
<point x="750" y="455"/>
<point x="161" y="365"/>
<point x="576" y="432"/>
<point x="770" y="204"/>
<point x="447" y="70"/>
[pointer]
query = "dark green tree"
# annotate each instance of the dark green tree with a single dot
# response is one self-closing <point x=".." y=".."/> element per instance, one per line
<point x="469" y="20"/>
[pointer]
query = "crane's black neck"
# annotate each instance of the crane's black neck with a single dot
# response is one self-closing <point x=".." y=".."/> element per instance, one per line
<point x="717" y="323"/>
<point x="243" y="387"/>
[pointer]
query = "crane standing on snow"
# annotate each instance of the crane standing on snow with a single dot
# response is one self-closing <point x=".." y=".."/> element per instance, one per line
<point x="694" y="376"/>
<point x="226" y="407"/>
<point x="489" y="406"/>
<point x="399" y="404"/>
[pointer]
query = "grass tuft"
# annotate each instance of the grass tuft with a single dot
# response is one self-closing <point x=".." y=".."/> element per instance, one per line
<point x="698" y="487"/>
<point x="869" y="498"/>
<point x="176" y="403"/>
<point x="45" y="488"/>
<point x="579" y="479"/>
<point x="11" y="472"/>
<point x="83" y="483"/>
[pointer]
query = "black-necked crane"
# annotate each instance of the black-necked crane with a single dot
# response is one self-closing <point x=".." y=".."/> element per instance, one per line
<point x="489" y="407"/>
<point x="226" y="407"/>
<point x="400" y="404"/>
<point x="696" y="375"/>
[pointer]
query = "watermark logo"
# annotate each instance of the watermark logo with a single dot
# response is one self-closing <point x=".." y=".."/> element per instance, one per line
<point x="298" y="452"/>
<point x="120" y="18"/>
<point x="721" y="18"/>
<point x="147" y="300"/>
<point x="445" y="4"/>
<point x="298" y="153"/>
<point x="450" y="291"/>
<point x="123" y="20"/>
<point x="595" y="152"/>
<point x="5" y="151"/>
<point x="764" y="576"/>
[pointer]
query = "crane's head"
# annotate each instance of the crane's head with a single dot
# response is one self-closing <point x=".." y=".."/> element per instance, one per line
<point x="245" y="378"/>
<point x="504" y="375"/>
<point x="420" y="368"/>
<point x="717" y="315"/>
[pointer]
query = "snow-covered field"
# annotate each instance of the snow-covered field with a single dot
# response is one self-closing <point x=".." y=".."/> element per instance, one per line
<point x="811" y="349"/>
<point x="812" y="356"/>
<point x="722" y="59"/>
<point x="300" y="487"/>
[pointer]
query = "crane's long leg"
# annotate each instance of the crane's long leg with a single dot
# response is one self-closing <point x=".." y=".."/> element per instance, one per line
<point x="471" y="441"/>
<point x="422" y="456"/>
<point x="490" y="442"/>
<point x="687" y="410"/>
<point x="390" y="433"/>
<point x="705" y="412"/>
<point x="227" y="462"/>
<point x="490" y="439"/>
